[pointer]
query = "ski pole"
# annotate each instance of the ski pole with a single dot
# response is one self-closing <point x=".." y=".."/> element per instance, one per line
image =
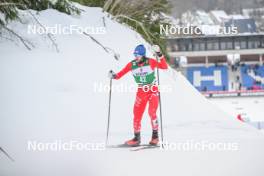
<point x="160" y="109"/>
<point x="109" y="112"/>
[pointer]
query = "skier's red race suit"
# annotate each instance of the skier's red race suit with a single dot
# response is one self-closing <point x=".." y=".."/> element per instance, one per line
<point x="145" y="92"/>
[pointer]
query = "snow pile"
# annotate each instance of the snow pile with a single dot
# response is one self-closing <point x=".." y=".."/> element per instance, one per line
<point x="220" y="16"/>
<point x="48" y="96"/>
<point x="196" y="18"/>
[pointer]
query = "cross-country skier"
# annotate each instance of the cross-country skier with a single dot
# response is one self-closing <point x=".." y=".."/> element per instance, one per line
<point x="143" y="70"/>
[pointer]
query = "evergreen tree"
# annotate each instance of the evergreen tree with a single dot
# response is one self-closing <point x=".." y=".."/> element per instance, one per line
<point x="9" y="7"/>
<point x="9" y="10"/>
<point x="91" y="3"/>
<point x="145" y="16"/>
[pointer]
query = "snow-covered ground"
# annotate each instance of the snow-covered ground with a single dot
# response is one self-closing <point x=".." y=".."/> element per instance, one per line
<point x="48" y="96"/>
<point x="249" y="107"/>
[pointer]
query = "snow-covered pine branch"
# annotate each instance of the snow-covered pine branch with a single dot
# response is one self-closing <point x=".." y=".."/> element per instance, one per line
<point x="25" y="42"/>
<point x="48" y="34"/>
<point x="138" y="23"/>
<point x="9" y="4"/>
<point x="9" y="12"/>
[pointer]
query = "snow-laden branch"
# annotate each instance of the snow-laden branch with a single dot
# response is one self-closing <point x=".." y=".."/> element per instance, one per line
<point x="105" y="48"/>
<point x="48" y="34"/>
<point x="138" y="23"/>
<point x="26" y="43"/>
<point x="9" y="157"/>
<point x="10" y="4"/>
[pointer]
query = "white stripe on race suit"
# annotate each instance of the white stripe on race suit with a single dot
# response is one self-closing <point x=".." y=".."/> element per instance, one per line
<point x="142" y="71"/>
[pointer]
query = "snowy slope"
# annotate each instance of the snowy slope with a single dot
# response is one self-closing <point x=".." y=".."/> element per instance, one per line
<point x="250" y="107"/>
<point x="48" y="96"/>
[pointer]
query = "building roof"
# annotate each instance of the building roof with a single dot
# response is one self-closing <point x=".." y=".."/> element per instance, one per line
<point x="243" y="25"/>
<point x="204" y="18"/>
<point x="219" y="15"/>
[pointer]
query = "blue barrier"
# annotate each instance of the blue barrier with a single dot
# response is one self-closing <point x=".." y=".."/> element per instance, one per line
<point x="213" y="78"/>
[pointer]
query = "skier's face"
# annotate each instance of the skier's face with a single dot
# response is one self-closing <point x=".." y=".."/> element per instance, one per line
<point x="138" y="58"/>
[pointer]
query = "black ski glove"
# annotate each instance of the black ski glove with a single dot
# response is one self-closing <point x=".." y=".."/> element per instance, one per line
<point x="111" y="74"/>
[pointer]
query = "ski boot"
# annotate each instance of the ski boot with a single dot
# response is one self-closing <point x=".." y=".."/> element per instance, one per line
<point x="134" y="142"/>
<point x="155" y="138"/>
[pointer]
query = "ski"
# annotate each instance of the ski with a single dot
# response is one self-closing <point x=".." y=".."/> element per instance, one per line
<point x="145" y="147"/>
<point x="125" y="146"/>
<point x="134" y="148"/>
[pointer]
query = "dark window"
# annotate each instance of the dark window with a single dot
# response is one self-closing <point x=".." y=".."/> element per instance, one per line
<point x="253" y="44"/>
<point x="212" y="45"/>
<point x="243" y="44"/>
<point x="237" y="44"/>
<point x="262" y="42"/>
<point x="223" y="45"/>
<point x="190" y="47"/>
<point x="202" y="46"/>
<point x="229" y="45"/>
<point x="196" y="47"/>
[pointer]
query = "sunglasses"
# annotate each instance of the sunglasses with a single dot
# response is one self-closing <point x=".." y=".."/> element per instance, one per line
<point x="137" y="55"/>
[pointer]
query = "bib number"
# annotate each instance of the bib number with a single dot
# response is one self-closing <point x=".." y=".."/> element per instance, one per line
<point x="143" y="79"/>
